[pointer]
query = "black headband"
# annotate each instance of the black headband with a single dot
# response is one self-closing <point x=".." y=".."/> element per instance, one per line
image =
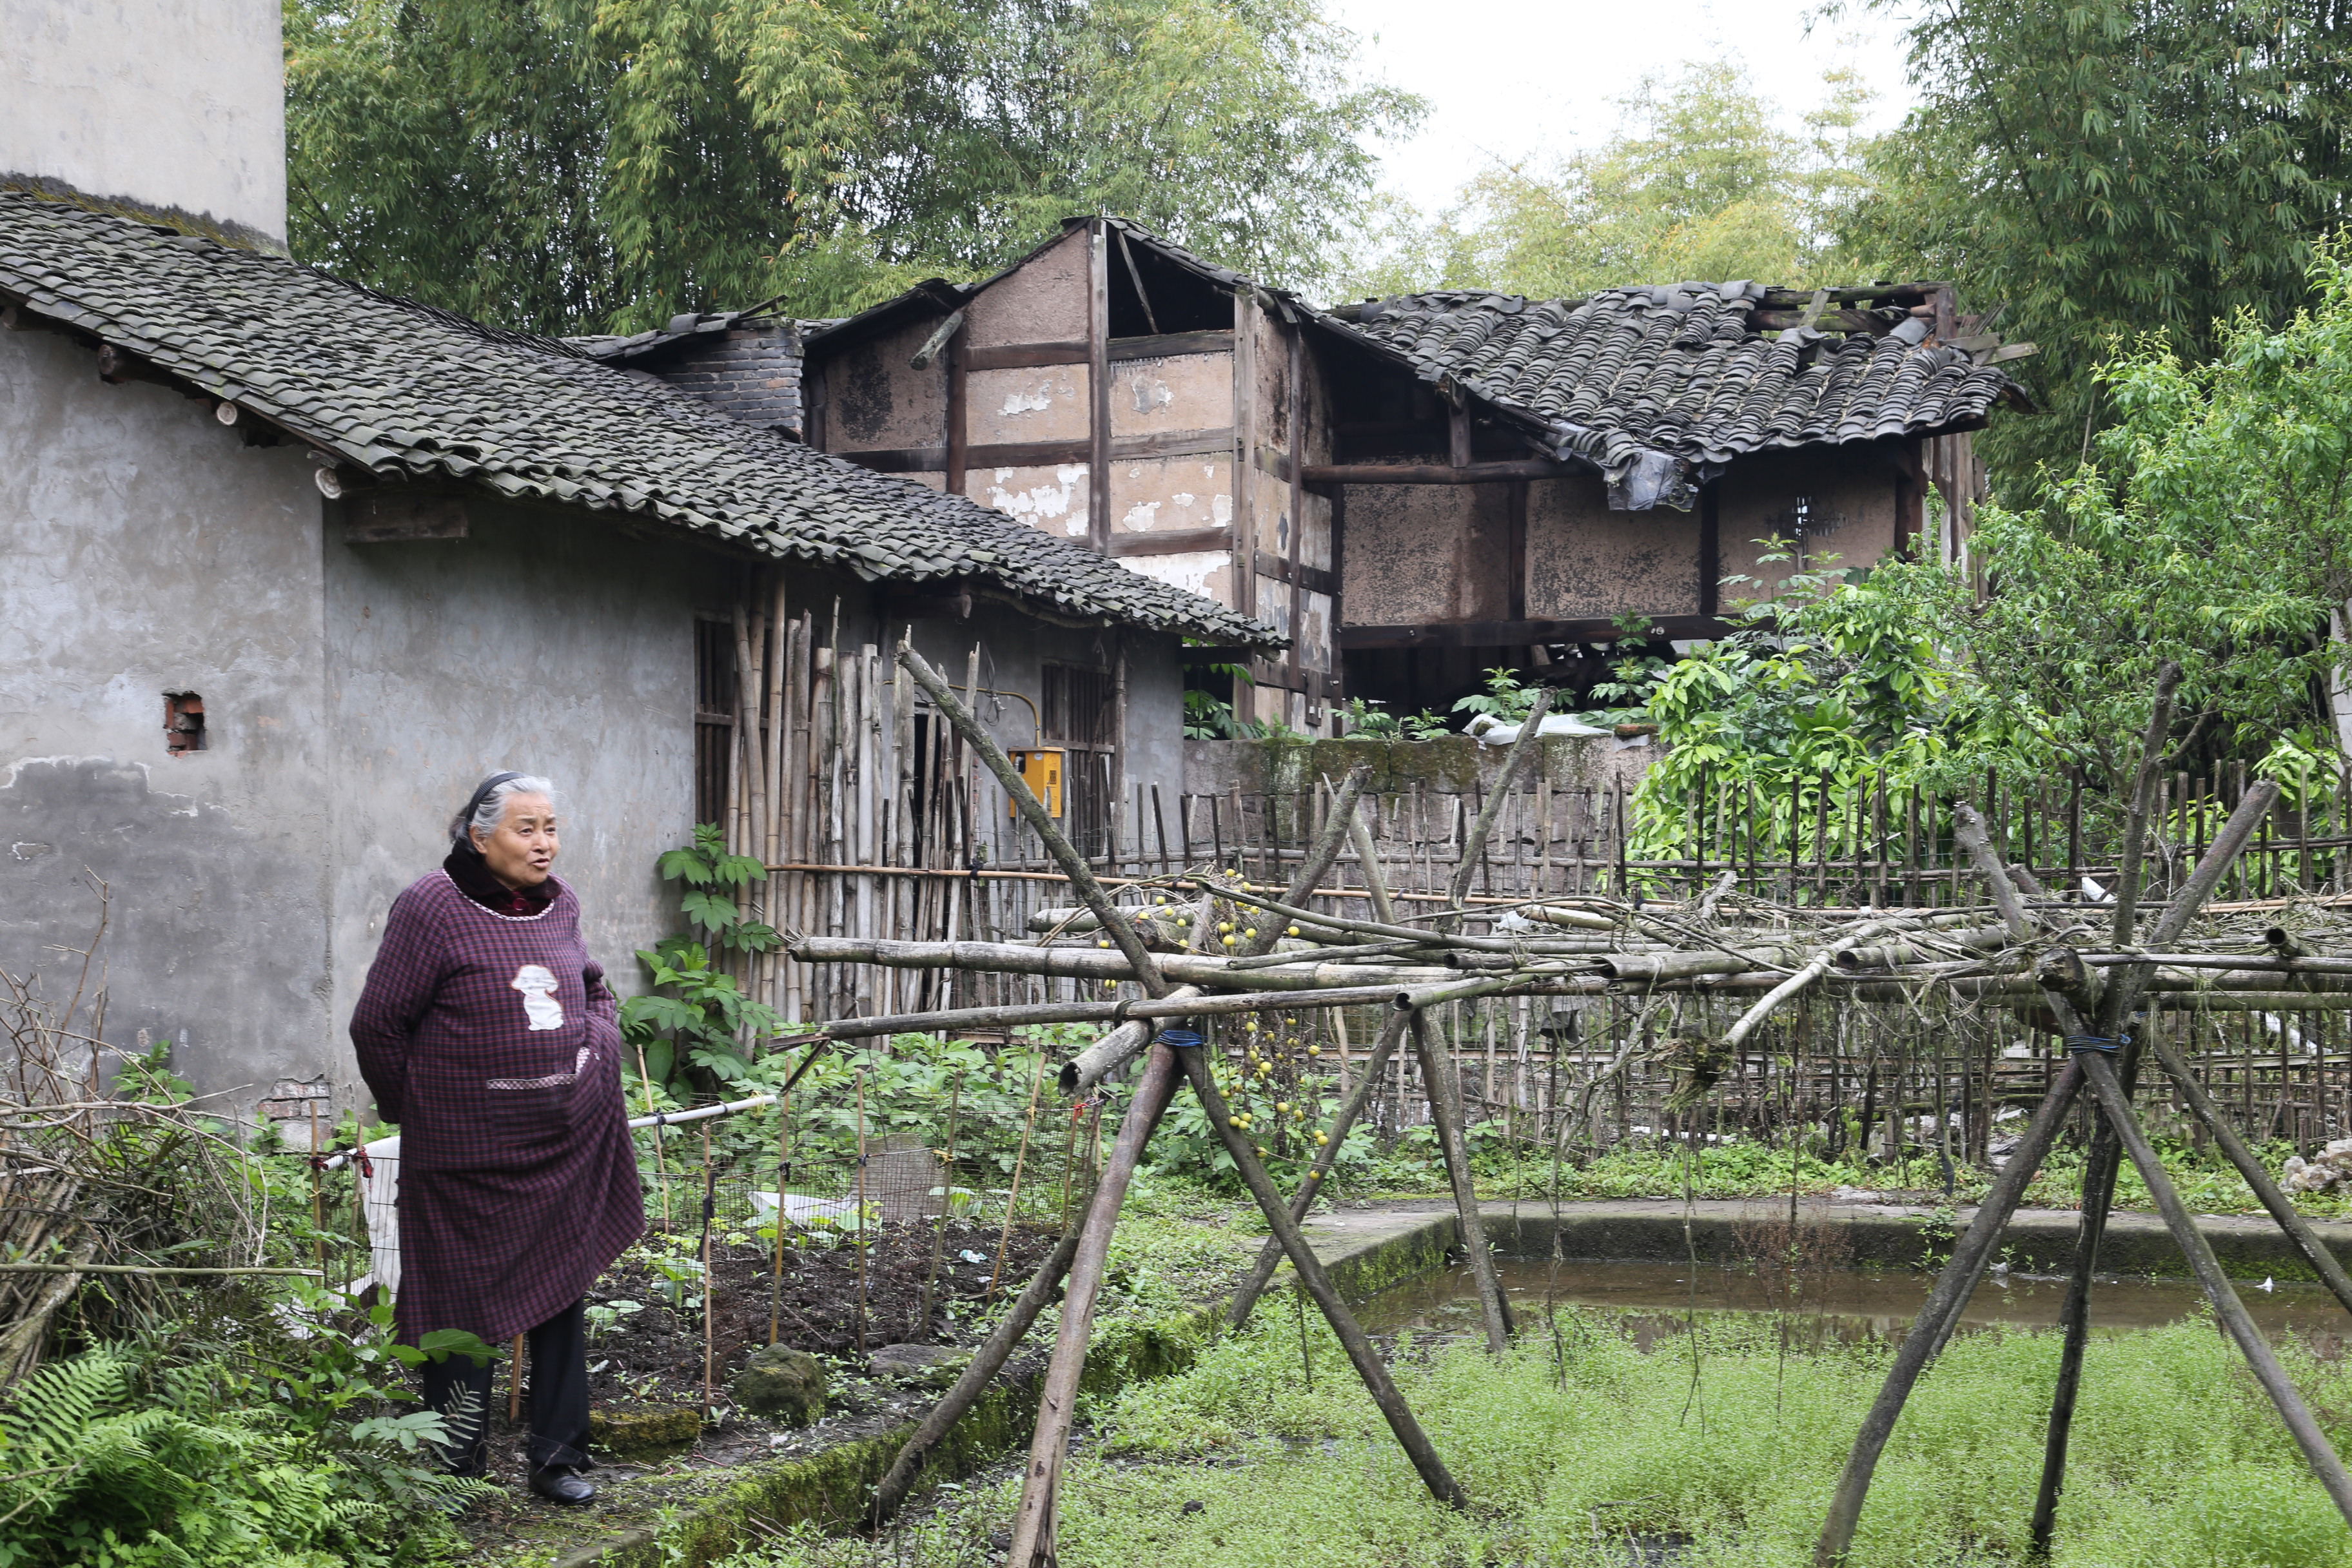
<point x="458" y="834"/>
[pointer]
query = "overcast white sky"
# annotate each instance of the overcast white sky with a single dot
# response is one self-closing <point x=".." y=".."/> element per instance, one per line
<point x="1507" y="78"/>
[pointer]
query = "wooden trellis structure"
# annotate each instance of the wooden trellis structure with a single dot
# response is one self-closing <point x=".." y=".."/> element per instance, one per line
<point x="2039" y="959"/>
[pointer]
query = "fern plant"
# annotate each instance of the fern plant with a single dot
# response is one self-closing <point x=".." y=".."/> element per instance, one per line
<point x="102" y="1466"/>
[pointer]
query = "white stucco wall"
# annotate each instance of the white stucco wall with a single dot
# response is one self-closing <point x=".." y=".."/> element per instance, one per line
<point x="163" y="103"/>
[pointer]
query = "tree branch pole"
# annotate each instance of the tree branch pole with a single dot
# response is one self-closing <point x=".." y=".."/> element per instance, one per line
<point x="2281" y="1209"/>
<point x="1033" y="1527"/>
<point x="1090" y="894"/>
<point x="1445" y="1111"/>
<point x="1311" y="1274"/>
<point x="2116" y="1003"/>
<point x="1270" y="1255"/>
<point x="1941" y="1312"/>
<point x="977" y="1373"/>
<point x="1953" y="1288"/>
<point x="1113" y="1052"/>
<point x="1524" y="751"/>
<point x="2317" y="1449"/>
<point x="1444" y="1088"/>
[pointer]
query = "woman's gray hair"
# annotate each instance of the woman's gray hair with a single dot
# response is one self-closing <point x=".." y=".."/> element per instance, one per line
<point x="492" y="809"/>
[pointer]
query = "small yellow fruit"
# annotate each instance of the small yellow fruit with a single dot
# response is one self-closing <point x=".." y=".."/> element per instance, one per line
<point x="1321" y="1139"/>
<point x="1314" y="1175"/>
<point x="1234" y="1122"/>
<point x="1251" y="933"/>
<point x="1104" y="943"/>
<point x="1261" y="1151"/>
<point x="1282" y="1105"/>
<point x="1294" y="931"/>
<point x="1224" y="925"/>
<point x="1314" y="1050"/>
<point x="1227" y="941"/>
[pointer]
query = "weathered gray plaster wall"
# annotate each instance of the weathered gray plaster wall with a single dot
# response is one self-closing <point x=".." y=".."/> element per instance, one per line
<point x="545" y="641"/>
<point x="169" y="104"/>
<point x="144" y="550"/>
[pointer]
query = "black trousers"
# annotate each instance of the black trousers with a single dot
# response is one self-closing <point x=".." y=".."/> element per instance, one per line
<point x="460" y="1390"/>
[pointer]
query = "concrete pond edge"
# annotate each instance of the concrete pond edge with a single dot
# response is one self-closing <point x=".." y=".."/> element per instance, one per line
<point x="1369" y="1251"/>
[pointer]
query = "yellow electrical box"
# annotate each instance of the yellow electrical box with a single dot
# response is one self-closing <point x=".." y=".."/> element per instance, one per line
<point x="1041" y="770"/>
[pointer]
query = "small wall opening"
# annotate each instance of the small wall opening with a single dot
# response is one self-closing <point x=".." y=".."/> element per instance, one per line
<point x="184" y="722"/>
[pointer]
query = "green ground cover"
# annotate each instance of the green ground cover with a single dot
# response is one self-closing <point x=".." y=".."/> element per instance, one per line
<point x="2208" y="1183"/>
<point x="1725" y="1439"/>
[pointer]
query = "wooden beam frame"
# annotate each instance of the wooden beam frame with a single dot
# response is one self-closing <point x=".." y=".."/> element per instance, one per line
<point x="1029" y="454"/>
<point x="1098" y="386"/>
<point x="1520" y="633"/>
<point x="1437" y="474"/>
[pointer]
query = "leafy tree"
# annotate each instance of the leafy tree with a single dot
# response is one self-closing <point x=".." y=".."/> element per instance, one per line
<point x="2106" y="168"/>
<point x="2211" y="527"/>
<point x="1698" y="182"/>
<point x="562" y="166"/>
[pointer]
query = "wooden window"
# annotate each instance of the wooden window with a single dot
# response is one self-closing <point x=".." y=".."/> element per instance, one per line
<point x="1080" y="714"/>
<point x="714" y="719"/>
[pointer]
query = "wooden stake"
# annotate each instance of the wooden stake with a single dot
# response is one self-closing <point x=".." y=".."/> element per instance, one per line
<point x="1368" y="1366"/>
<point x="947" y="1203"/>
<point x="783" y="1181"/>
<point x="709" y="1293"/>
<point x="1020" y="1159"/>
<point x="514" y="1381"/>
<point x="865" y="1232"/>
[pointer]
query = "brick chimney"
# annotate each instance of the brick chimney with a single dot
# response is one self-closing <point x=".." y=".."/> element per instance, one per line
<point x="171" y="107"/>
<point x="748" y="367"/>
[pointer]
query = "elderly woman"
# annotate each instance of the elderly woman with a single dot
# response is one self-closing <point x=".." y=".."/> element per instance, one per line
<point x="486" y="1032"/>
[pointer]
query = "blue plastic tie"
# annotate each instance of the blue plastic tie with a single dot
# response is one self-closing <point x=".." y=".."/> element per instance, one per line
<point x="2099" y="1043"/>
<point x="1183" y="1040"/>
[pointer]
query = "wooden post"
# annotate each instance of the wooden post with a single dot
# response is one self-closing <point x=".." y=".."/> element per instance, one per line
<point x="1033" y="1527"/>
<point x="1270" y="1255"/>
<point x="1311" y="1274"/>
<point x="977" y="1373"/>
<point x="2317" y="1449"/>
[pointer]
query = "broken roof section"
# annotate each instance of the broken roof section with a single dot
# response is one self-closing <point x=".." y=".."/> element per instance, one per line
<point x="1656" y="388"/>
<point x="404" y="391"/>
<point x="1659" y="388"/>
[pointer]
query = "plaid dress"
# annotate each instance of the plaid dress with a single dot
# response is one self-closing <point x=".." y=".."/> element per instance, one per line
<point x="494" y="1043"/>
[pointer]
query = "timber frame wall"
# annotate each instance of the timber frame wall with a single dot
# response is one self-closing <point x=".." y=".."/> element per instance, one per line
<point x="1206" y="432"/>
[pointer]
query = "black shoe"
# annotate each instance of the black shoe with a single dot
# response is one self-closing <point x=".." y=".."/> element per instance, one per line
<point x="557" y="1483"/>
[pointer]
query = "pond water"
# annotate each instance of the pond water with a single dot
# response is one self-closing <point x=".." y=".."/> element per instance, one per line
<point x="1847" y="1303"/>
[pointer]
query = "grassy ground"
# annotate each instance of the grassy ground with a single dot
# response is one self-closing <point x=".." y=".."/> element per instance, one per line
<point x="1721" y="1439"/>
<point x="2207" y="1182"/>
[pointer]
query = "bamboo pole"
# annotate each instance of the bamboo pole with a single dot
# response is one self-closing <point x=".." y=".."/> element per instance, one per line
<point x="1311" y="1274"/>
<point x="977" y="1373"/>
<point x="2317" y="1449"/>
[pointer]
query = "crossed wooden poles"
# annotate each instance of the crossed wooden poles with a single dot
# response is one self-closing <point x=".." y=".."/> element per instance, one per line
<point x="2104" y="1056"/>
<point x="1081" y="1255"/>
<point x="2093" y="1003"/>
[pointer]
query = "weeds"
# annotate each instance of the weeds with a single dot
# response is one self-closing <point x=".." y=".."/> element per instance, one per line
<point x="1236" y="1464"/>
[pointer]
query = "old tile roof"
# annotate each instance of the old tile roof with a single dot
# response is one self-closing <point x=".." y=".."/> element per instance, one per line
<point x="1660" y="387"/>
<point x="404" y="390"/>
